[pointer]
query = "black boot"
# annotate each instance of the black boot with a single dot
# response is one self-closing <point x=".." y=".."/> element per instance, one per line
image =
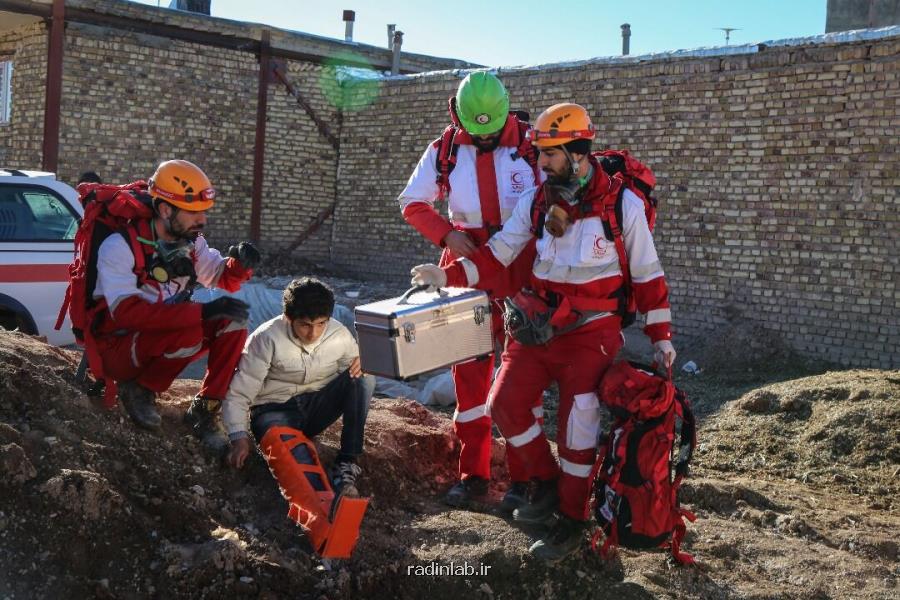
<point x="466" y="490"/>
<point x="563" y="539"/>
<point x="541" y="505"/>
<point x="204" y="418"/>
<point x="343" y="478"/>
<point x="515" y="497"/>
<point x="140" y="404"/>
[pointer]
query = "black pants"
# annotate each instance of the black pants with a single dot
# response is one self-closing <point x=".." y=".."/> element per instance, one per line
<point x="313" y="412"/>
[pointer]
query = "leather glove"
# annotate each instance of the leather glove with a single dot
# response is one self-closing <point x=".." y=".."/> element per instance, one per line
<point x="431" y="275"/>
<point x="246" y="253"/>
<point x="665" y="353"/>
<point x="225" y="307"/>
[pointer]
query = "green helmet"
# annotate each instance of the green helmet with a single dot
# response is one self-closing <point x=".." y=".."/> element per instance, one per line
<point x="482" y="103"/>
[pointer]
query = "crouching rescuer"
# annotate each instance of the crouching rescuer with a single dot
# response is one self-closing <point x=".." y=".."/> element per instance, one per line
<point x="595" y="259"/>
<point x="141" y="327"/>
<point x="299" y="373"/>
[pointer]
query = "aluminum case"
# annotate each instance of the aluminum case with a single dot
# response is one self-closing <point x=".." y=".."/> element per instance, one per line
<point x="421" y="331"/>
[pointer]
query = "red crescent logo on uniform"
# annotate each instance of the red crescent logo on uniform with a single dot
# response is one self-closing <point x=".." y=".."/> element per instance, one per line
<point x="517" y="182"/>
<point x="599" y="247"/>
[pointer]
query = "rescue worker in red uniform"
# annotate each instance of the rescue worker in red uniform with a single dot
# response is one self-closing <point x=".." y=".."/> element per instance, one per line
<point x="150" y="332"/>
<point x="477" y="167"/>
<point x="577" y="275"/>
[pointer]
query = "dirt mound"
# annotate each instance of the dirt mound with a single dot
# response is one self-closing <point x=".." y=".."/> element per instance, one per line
<point x="92" y="507"/>
<point x="840" y="430"/>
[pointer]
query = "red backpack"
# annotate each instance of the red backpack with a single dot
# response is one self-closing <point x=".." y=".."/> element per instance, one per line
<point x="635" y="492"/>
<point x="108" y="209"/>
<point x="637" y="177"/>
<point x="445" y="161"/>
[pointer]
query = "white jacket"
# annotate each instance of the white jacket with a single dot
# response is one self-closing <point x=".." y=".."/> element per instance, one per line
<point x="116" y="279"/>
<point x="464" y="204"/>
<point x="276" y="366"/>
<point x="583" y="254"/>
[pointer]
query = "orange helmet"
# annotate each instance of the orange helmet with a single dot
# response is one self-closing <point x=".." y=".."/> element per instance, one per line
<point x="182" y="184"/>
<point x="561" y="124"/>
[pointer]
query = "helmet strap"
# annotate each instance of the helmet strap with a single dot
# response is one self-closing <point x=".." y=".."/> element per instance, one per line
<point x="571" y="191"/>
<point x="572" y="162"/>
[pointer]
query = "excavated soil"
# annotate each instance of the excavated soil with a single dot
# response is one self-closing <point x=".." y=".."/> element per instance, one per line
<point x="795" y="485"/>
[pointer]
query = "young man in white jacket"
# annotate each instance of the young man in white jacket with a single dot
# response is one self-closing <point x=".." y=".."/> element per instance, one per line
<point x="301" y="370"/>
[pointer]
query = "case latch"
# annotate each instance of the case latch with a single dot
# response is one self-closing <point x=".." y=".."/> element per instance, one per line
<point x="409" y="332"/>
<point x="480" y="311"/>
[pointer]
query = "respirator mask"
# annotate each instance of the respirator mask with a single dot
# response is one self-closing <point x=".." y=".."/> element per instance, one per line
<point x="562" y="196"/>
<point x="172" y="260"/>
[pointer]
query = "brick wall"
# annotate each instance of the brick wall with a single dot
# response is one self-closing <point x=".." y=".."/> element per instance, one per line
<point x="20" y="141"/>
<point x="778" y="171"/>
<point x="301" y="164"/>
<point x="130" y="101"/>
<point x="778" y="177"/>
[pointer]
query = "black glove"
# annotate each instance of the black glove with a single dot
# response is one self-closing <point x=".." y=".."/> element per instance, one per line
<point x="225" y="307"/>
<point x="246" y="253"/>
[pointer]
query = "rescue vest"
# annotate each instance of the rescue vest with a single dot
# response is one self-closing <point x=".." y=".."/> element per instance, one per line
<point x="448" y="147"/>
<point x="614" y="172"/>
<point x="636" y="479"/>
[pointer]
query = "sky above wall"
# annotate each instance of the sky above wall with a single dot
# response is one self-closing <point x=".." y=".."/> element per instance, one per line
<point x="498" y="33"/>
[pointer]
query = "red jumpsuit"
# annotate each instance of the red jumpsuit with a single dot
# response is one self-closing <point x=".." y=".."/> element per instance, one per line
<point x="580" y="267"/>
<point x="484" y="189"/>
<point x="142" y="337"/>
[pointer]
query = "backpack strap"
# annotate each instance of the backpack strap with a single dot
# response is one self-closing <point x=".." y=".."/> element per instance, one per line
<point x="688" y="440"/>
<point x="612" y="216"/>
<point x="133" y="233"/>
<point x="446" y="160"/>
<point x="682" y="558"/>
<point x="685" y="451"/>
<point x="538" y="213"/>
<point x="525" y="149"/>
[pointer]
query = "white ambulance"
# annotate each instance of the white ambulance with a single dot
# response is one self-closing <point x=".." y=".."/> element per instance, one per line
<point x="38" y="219"/>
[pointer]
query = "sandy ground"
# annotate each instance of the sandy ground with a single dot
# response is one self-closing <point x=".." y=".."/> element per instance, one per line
<point x="795" y="484"/>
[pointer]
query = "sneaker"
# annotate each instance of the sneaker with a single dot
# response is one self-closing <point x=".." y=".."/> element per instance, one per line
<point x="563" y="539"/>
<point x="343" y="479"/>
<point x="541" y="506"/>
<point x="515" y="496"/>
<point x="466" y="490"/>
<point x="204" y="418"/>
<point x="140" y="404"/>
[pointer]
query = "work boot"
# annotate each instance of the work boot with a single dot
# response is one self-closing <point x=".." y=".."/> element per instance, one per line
<point x="140" y="404"/>
<point x="204" y="417"/>
<point x="343" y="478"/>
<point x="563" y="539"/>
<point x="515" y="496"/>
<point x="466" y="490"/>
<point x="541" y="506"/>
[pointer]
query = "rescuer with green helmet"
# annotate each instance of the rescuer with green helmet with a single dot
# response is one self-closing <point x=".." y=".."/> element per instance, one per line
<point x="480" y="165"/>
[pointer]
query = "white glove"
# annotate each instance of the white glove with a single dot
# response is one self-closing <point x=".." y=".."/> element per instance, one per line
<point x="431" y="275"/>
<point x="665" y="353"/>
